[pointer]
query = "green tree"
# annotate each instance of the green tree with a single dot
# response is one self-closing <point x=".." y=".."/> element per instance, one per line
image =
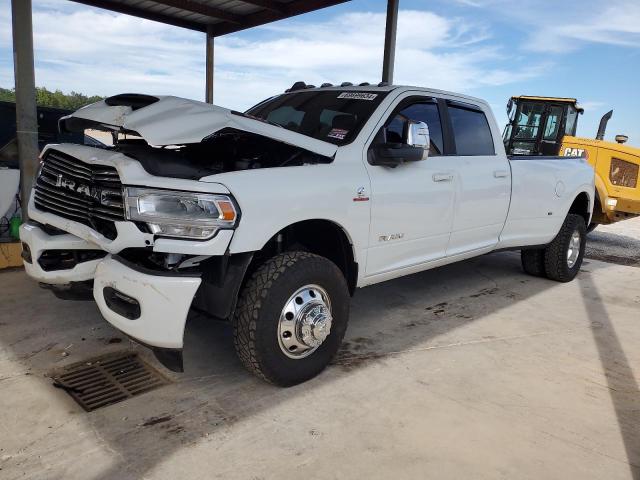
<point x="56" y="99"/>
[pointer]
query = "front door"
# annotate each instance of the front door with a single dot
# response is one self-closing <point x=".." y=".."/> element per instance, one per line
<point x="411" y="204"/>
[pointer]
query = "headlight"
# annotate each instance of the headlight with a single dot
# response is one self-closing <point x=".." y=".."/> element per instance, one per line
<point x="180" y="214"/>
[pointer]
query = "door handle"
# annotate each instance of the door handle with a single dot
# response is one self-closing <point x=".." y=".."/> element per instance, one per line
<point x="500" y="173"/>
<point x="442" y="177"/>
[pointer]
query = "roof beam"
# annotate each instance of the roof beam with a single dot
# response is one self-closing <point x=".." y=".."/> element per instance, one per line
<point x="222" y="21"/>
<point x="137" y="12"/>
<point x="203" y="9"/>
<point x="296" y="7"/>
<point x="272" y="5"/>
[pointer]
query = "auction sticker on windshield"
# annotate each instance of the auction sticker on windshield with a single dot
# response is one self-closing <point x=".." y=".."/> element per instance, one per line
<point x="358" y="95"/>
<point x="338" y="133"/>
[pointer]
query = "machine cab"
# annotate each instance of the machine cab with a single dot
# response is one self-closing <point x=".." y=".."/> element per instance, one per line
<point x="538" y="124"/>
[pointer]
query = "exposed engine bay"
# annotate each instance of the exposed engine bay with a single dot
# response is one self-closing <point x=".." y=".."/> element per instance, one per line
<point x="227" y="150"/>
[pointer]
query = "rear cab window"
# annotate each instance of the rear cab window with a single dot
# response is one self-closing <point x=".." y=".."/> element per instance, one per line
<point x="470" y="129"/>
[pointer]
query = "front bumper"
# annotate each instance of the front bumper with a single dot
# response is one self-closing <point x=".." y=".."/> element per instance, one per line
<point x="39" y="241"/>
<point x="163" y="302"/>
<point x="163" y="298"/>
<point x="628" y="205"/>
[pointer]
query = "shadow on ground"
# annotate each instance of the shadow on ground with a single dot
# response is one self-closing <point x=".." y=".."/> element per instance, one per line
<point x="623" y="387"/>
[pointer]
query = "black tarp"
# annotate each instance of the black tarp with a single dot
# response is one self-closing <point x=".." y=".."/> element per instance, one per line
<point x="47" y="131"/>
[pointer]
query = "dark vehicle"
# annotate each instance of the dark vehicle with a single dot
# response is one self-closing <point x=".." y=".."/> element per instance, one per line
<point x="47" y="132"/>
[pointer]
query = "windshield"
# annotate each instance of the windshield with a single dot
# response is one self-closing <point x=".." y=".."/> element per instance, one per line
<point x="332" y="116"/>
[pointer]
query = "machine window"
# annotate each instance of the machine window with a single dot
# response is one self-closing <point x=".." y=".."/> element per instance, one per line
<point x="572" y="122"/>
<point x="623" y="173"/>
<point x="471" y="132"/>
<point x="426" y="112"/>
<point x="528" y="121"/>
<point x="553" y="123"/>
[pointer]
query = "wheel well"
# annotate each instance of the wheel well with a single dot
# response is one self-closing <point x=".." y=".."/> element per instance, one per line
<point x="322" y="237"/>
<point x="580" y="206"/>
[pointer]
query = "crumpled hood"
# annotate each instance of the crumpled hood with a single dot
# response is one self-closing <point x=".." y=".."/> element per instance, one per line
<point x="176" y="121"/>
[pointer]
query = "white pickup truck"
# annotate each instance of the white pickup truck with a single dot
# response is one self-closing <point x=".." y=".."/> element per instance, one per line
<point x="272" y="218"/>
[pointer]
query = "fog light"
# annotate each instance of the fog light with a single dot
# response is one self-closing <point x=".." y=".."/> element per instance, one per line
<point x="612" y="203"/>
<point x="122" y="304"/>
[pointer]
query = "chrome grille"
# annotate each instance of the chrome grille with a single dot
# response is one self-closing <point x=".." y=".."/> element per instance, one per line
<point x="88" y="194"/>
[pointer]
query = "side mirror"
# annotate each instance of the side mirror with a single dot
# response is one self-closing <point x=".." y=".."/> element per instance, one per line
<point x="415" y="147"/>
<point x="418" y="136"/>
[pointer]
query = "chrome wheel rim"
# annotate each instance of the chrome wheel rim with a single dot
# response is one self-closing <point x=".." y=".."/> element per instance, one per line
<point x="305" y="322"/>
<point x="574" y="249"/>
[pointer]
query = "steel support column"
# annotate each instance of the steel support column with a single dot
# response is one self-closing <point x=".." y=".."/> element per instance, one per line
<point x="390" y="41"/>
<point x="209" y="66"/>
<point x="26" y="114"/>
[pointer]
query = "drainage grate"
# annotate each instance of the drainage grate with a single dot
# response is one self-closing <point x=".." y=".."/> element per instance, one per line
<point x="108" y="380"/>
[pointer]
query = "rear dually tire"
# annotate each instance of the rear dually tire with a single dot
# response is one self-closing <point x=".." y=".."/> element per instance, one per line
<point x="563" y="256"/>
<point x="533" y="261"/>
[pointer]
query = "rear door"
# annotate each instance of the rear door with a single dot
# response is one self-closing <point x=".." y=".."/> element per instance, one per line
<point x="483" y="179"/>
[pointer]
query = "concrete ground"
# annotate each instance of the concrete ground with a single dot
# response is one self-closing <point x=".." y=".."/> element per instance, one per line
<point x="474" y="370"/>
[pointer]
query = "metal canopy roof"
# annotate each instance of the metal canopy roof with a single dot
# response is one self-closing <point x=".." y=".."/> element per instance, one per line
<point x="219" y="16"/>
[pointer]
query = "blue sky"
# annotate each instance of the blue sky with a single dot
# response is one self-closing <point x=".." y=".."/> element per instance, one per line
<point x="488" y="48"/>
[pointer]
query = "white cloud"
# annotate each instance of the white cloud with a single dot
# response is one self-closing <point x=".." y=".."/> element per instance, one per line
<point x="592" y="105"/>
<point x="554" y="26"/>
<point x="97" y="52"/>
<point x="615" y="24"/>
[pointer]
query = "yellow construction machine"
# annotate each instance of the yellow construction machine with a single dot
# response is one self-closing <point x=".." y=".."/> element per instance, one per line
<point x="547" y="126"/>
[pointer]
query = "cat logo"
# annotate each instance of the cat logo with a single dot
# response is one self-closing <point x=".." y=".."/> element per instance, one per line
<point x="576" y="152"/>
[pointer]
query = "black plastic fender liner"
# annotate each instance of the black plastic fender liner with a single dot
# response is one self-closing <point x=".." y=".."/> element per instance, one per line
<point x="170" y="358"/>
<point x="221" y="281"/>
<point x="76" y="291"/>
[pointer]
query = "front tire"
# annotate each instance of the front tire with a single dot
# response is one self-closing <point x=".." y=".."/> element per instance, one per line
<point x="291" y="318"/>
<point x="563" y="256"/>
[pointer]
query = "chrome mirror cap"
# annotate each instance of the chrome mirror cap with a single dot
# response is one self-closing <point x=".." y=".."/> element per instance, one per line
<point x="418" y="136"/>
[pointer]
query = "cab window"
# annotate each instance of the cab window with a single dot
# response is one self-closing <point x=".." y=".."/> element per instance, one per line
<point x="421" y="111"/>
<point x="471" y="131"/>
